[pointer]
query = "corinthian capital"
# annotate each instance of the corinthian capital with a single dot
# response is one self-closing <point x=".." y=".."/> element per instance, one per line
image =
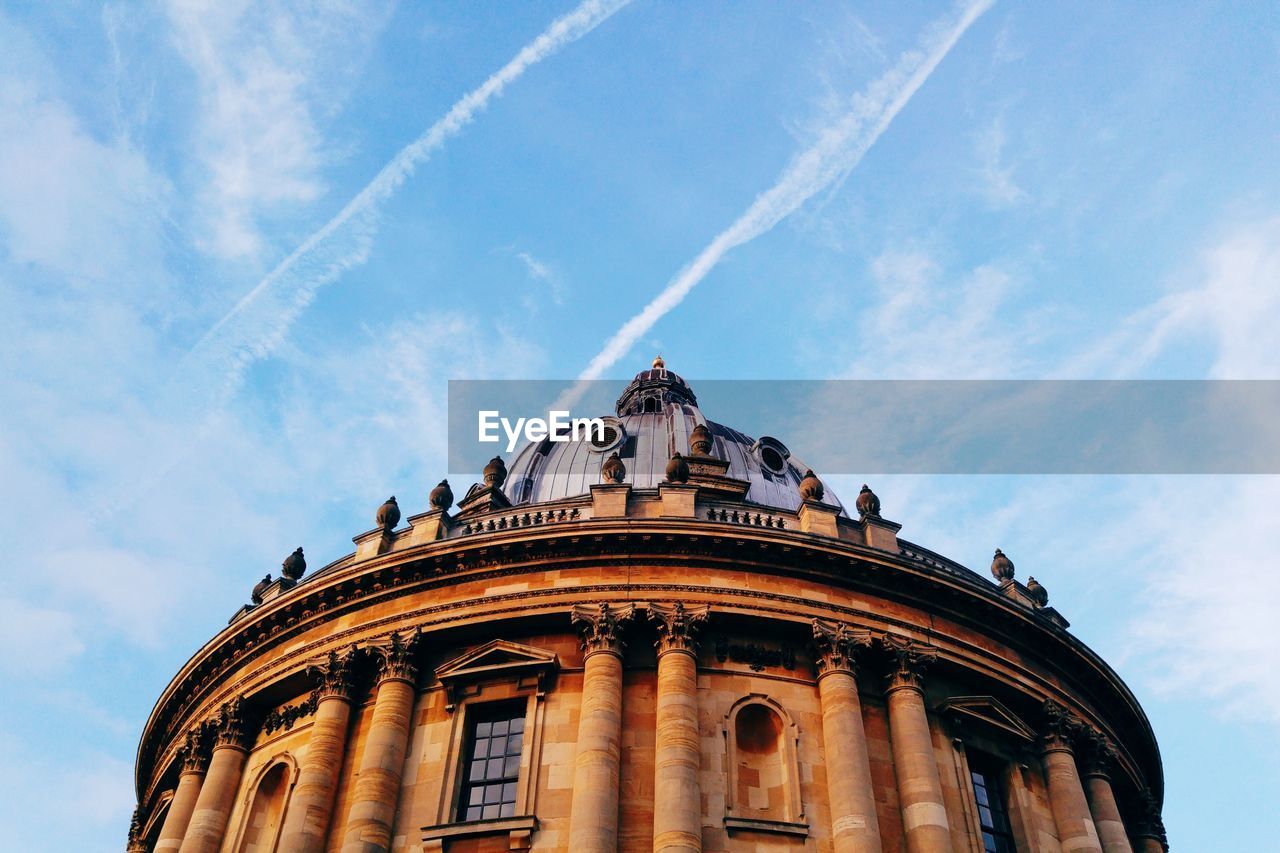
<point x="397" y="657"/>
<point x="195" y="754"/>
<point x="1061" y="727"/>
<point x="230" y="728"/>
<point x="836" y="645"/>
<point x="137" y="844"/>
<point x="600" y="626"/>
<point x="336" y="674"/>
<point x="1099" y="754"/>
<point x="678" y="626"/>
<point x="910" y="659"/>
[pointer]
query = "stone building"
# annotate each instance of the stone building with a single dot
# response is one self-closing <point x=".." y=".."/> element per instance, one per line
<point x="671" y="637"/>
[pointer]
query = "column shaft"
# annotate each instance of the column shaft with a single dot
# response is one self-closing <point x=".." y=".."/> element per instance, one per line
<point x="373" y="803"/>
<point x="854" y="827"/>
<point x="208" y="822"/>
<point x="677" y="800"/>
<point x="1106" y="814"/>
<point x="180" y="809"/>
<point x="1076" y="830"/>
<point x="1151" y="845"/>
<point x="924" y="816"/>
<point x="306" y="823"/>
<point x="593" y="819"/>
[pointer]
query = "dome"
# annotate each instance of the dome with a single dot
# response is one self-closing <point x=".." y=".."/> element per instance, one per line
<point x="654" y="419"/>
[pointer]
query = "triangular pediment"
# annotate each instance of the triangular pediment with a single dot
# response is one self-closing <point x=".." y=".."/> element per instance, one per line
<point x="987" y="711"/>
<point x="496" y="656"/>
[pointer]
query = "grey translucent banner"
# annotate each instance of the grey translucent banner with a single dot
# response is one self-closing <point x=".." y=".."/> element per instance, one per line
<point x="933" y="427"/>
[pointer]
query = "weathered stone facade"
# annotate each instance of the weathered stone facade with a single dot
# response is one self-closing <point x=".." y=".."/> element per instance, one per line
<point x="687" y="670"/>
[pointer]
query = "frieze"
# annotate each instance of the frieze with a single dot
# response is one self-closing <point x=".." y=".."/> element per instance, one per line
<point x="284" y="719"/>
<point x="754" y="655"/>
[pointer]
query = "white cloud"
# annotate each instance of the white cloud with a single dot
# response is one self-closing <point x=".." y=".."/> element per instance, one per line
<point x="37" y="640"/>
<point x="78" y="206"/>
<point x="540" y="271"/>
<point x="269" y="75"/>
<point x="1229" y="299"/>
<point x="928" y="324"/>
<point x="996" y="176"/>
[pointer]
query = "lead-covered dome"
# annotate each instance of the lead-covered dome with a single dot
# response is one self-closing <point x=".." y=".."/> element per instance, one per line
<point x="654" y="418"/>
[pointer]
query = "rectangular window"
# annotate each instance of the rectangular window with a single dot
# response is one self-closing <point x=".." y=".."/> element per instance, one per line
<point x="495" y="738"/>
<point x="993" y="806"/>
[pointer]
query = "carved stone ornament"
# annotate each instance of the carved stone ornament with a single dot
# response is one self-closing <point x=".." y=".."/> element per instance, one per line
<point x="700" y="441"/>
<point x="868" y="504"/>
<point x="613" y="471"/>
<point x="677" y="469"/>
<point x="909" y="661"/>
<point x="1001" y="567"/>
<point x="294" y="565"/>
<point x="283" y="719"/>
<point x="397" y="658"/>
<point x="137" y="844"/>
<point x="259" y="588"/>
<point x="837" y="645"/>
<point x="441" y="496"/>
<point x="1150" y="824"/>
<point x="601" y="626"/>
<point x="230" y="728"/>
<point x="1061" y="727"/>
<point x="495" y="473"/>
<point x="195" y="753"/>
<point x="336" y="674"/>
<point x="811" y="488"/>
<point x="1099" y="754"/>
<point x="1039" y="594"/>
<point x="677" y="625"/>
<point x="388" y="514"/>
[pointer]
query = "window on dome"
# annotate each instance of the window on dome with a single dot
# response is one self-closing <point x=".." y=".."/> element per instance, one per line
<point x="772" y="455"/>
<point x="495" y="738"/>
<point x="993" y="805"/>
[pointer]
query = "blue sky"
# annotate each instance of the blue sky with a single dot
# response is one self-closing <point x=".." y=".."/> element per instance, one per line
<point x="908" y="190"/>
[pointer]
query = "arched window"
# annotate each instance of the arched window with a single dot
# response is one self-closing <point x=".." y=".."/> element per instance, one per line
<point x="763" y="780"/>
<point x="265" y="815"/>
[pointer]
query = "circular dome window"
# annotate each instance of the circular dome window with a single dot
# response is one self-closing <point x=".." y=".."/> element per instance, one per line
<point x="772" y="455"/>
<point x="611" y="437"/>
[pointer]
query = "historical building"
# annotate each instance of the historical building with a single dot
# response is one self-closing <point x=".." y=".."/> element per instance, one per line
<point x="673" y="638"/>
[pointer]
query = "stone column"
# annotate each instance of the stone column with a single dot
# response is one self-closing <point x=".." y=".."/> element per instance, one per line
<point x="1150" y="835"/>
<point x="593" y="817"/>
<point x="373" y="803"/>
<point x="1100" y="757"/>
<point x="208" y="823"/>
<point x="306" y="822"/>
<point x="677" y="756"/>
<point x="1076" y="830"/>
<point x="190" y="779"/>
<point x="924" y="814"/>
<point x="854" y="828"/>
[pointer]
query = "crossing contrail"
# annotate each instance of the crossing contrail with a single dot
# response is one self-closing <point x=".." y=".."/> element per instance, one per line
<point x="261" y="319"/>
<point x="838" y="150"/>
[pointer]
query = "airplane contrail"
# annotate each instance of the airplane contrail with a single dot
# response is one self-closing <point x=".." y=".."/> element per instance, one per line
<point x="839" y="148"/>
<point x="260" y="320"/>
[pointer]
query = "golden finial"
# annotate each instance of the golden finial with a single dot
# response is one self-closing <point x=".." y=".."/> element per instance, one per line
<point x="658" y="363"/>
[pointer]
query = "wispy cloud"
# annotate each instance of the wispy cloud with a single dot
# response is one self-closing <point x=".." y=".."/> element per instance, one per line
<point x="266" y="75"/>
<point x="996" y="176"/>
<point x="260" y="320"/>
<point x="540" y="271"/>
<point x="839" y="149"/>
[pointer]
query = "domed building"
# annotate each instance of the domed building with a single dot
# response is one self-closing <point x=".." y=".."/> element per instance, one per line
<point x="672" y="637"/>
